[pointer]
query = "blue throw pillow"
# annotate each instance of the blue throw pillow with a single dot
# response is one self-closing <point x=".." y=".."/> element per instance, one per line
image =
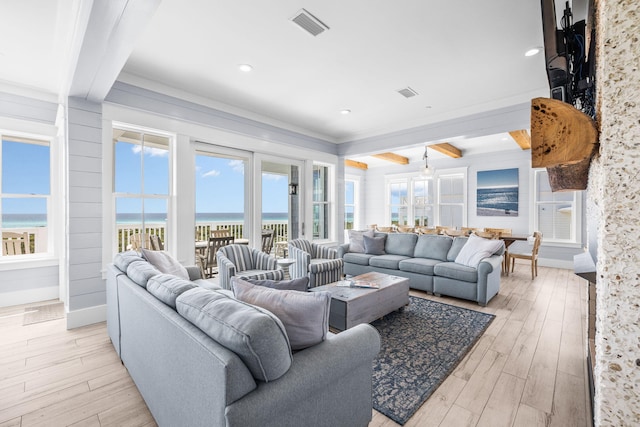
<point x="374" y="245"/>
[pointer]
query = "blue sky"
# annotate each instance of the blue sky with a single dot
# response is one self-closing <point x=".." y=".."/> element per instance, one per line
<point x="498" y="178"/>
<point x="25" y="170"/>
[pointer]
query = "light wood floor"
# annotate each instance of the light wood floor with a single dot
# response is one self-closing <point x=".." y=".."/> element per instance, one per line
<point x="528" y="369"/>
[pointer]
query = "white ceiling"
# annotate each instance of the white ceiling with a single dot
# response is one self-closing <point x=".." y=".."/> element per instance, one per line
<point x="461" y="57"/>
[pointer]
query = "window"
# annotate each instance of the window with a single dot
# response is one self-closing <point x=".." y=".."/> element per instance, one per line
<point x="556" y="214"/>
<point x="25" y="195"/>
<point x="320" y="202"/>
<point x="141" y="187"/>
<point x="451" y="200"/>
<point x="350" y="196"/>
<point x="423" y="202"/>
<point x="398" y="202"/>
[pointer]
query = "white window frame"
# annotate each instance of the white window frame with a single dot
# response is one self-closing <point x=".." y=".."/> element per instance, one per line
<point x="356" y="200"/>
<point x="414" y="205"/>
<point x="51" y="199"/>
<point x="398" y="179"/>
<point x="328" y="202"/>
<point x="171" y="214"/>
<point x="464" y="204"/>
<point x="576" y="224"/>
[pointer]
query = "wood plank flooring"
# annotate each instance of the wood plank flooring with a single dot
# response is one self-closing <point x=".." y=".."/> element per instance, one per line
<point x="527" y="370"/>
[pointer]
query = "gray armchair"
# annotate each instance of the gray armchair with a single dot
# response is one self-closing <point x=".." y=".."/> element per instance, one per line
<point x="320" y="263"/>
<point x="246" y="262"/>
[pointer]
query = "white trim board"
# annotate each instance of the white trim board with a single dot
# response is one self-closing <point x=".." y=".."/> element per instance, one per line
<point x="29" y="296"/>
<point x="86" y="316"/>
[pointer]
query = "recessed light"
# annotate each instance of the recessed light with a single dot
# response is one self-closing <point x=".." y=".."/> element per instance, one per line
<point x="428" y="107"/>
<point x="245" y="67"/>
<point x="345" y="112"/>
<point x="533" y="51"/>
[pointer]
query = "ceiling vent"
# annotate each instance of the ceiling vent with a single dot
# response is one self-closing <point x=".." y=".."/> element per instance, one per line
<point x="407" y="92"/>
<point x="309" y="23"/>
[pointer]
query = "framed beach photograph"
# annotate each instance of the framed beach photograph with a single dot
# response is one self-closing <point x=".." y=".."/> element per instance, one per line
<point x="497" y="193"/>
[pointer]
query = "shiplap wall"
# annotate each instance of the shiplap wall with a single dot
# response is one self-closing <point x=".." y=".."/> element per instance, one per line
<point x="22" y="283"/>
<point x="84" y="206"/>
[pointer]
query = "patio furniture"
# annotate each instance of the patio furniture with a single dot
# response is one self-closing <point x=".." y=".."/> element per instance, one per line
<point x="15" y="243"/>
<point x="267" y="241"/>
<point x="320" y="263"/>
<point x="246" y="262"/>
<point x="208" y="260"/>
<point x="155" y="243"/>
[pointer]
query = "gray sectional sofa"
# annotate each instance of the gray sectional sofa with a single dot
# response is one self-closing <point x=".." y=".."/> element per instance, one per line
<point x="187" y="378"/>
<point x="428" y="261"/>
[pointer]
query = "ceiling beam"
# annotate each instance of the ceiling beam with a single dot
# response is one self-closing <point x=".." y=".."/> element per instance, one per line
<point x="354" y="164"/>
<point x="447" y="149"/>
<point x="522" y="138"/>
<point x="393" y="158"/>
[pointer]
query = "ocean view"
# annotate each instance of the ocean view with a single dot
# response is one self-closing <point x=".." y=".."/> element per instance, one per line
<point x="499" y="201"/>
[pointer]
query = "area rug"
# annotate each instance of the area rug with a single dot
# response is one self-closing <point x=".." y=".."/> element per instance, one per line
<point x="43" y="313"/>
<point x="420" y="346"/>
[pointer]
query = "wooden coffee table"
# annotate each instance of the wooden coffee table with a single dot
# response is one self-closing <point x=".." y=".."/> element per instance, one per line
<point x="352" y="306"/>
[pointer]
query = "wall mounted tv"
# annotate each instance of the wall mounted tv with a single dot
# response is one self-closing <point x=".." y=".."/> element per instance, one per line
<point x="569" y="52"/>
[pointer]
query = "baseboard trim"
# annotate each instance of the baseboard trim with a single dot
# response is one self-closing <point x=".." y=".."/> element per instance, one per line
<point x="29" y="296"/>
<point x="86" y="316"/>
<point x="556" y="263"/>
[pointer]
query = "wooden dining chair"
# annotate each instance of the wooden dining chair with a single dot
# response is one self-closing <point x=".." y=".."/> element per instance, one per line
<point x="487" y="234"/>
<point x="15" y="243"/>
<point x="530" y="256"/>
<point x="469" y="230"/>
<point x="426" y="230"/>
<point x="498" y="231"/>
<point x="442" y="228"/>
<point x="453" y="233"/>
<point x="405" y="229"/>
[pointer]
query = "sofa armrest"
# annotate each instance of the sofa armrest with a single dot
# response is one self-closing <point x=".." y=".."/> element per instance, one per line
<point x="337" y="372"/>
<point x="487" y="265"/>
<point x="343" y="249"/>
<point x="300" y="267"/>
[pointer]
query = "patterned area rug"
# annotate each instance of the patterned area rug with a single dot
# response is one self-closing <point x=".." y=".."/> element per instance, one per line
<point x="421" y="345"/>
<point x="43" y="313"/>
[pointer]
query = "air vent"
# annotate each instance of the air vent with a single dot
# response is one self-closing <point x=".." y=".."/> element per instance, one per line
<point x="309" y="23"/>
<point x="407" y="92"/>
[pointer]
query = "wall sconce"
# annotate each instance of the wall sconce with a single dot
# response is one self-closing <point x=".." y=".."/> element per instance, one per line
<point x="293" y="189"/>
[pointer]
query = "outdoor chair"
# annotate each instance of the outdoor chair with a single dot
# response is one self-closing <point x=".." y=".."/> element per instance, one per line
<point x="246" y="262"/>
<point x="208" y="261"/>
<point x="155" y="243"/>
<point x="320" y="263"/>
<point x="15" y="243"/>
<point x="530" y="256"/>
<point x="267" y="241"/>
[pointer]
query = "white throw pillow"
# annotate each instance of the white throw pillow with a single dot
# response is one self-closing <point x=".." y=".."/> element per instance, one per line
<point x="356" y="240"/>
<point x="476" y="249"/>
<point x="165" y="263"/>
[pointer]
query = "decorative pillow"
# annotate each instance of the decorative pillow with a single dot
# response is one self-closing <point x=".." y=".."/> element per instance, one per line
<point x="253" y="333"/>
<point x="476" y="249"/>
<point x="167" y="288"/>
<point x="141" y="271"/>
<point x="374" y="245"/>
<point x="165" y="263"/>
<point x="301" y="284"/>
<point x="356" y="240"/>
<point x="305" y="315"/>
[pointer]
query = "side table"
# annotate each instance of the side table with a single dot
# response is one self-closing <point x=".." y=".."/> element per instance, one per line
<point x="284" y="264"/>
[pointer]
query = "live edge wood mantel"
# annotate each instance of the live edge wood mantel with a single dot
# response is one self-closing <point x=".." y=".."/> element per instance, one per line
<point x="563" y="139"/>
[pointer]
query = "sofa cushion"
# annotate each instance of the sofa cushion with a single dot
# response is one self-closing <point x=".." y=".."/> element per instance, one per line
<point x="253" y="333"/>
<point x="401" y="244"/>
<point x="305" y="315"/>
<point x="456" y="247"/>
<point x="141" y="271"/>
<point x="355" y="258"/>
<point x="300" y="284"/>
<point x="123" y="259"/>
<point x="167" y="288"/>
<point x="374" y="245"/>
<point x="356" y="240"/>
<point x="433" y="246"/>
<point x="476" y="249"/>
<point x="387" y="261"/>
<point x="456" y="271"/>
<point x="165" y="263"/>
<point x="419" y="265"/>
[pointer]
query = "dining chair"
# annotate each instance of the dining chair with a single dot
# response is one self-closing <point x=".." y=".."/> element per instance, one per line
<point x="441" y="228"/>
<point x="453" y="233"/>
<point x="499" y="231"/>
<point x="385" y="229"/>
<point x="405" y="229"/>
<point x="15" y="243"/>
<point x="487" y="234"/>
<point x="426" y="230"/>
<point x="267" y="240"/>
<point x="208" y="260"/>
<point x="531" y="256"/>
<point x="469" y="230"/>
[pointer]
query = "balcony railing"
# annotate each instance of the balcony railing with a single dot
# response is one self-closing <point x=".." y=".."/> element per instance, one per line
<point x="202" y="231"/>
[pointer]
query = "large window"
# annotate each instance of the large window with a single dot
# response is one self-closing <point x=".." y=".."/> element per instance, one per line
<point x="320" y="202"/>
<point x="350" y="197"/>
<point x="423" y="202"/>
<point x="25" y="196"/>
<point x="399" y="202"/>
<point x="451" y="199"/>
<point x="141" y="187"/>
<point x="556" y="214"/>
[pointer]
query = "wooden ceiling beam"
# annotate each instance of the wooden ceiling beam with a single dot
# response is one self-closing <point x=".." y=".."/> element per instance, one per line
<point x="522" y="138"/>
<point x="354" y="164"/>
<point x="447" y="149"/>
<point x="393" y="158"/>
